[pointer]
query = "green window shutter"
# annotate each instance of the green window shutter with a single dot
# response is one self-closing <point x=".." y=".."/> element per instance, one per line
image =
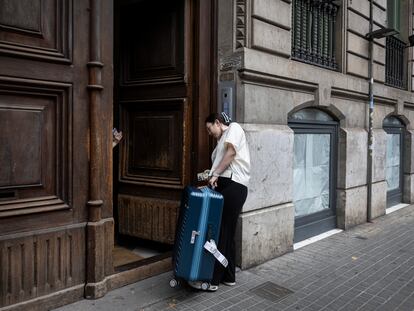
<point x="394" y="14"/>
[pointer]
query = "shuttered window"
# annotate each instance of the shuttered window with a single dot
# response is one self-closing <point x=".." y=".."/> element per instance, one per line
<point x="394" y="14"/>
<point x="313" y="35"/>
<point x="394" y="56"/>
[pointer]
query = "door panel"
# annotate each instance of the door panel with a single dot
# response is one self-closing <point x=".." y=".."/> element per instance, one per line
<point x="34" y="114"/>
<point x="43" y="146"/>
<point x="154" y="132"/>
<point x="154" y="103"/>
<point x="34" y="134"/>
<point x="153" y="42"/>
<point x="40" y="29"/>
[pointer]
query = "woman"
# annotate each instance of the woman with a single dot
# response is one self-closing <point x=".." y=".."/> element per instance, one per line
<point x="229" y="175"/>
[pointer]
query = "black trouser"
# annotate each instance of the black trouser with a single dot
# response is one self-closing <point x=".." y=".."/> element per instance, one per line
<point x="234" y="195"/>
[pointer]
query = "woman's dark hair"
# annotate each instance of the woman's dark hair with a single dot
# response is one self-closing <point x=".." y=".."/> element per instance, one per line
<point x="222" y="117"/>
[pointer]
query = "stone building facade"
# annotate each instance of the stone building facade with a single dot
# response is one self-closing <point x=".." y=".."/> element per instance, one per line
<point x="307" y="118"/>
<point x="294" y="73"/>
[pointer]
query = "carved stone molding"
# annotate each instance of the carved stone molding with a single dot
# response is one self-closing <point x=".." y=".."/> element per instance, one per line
<point x="241" y="23"/>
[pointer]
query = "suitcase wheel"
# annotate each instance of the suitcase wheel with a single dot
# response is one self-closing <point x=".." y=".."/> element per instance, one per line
<point x="205" y="286"/>
<point x="173" y="283"/>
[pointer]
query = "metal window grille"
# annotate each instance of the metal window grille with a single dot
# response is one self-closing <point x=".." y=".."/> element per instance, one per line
<point x="313" y="35"/>
<point x="394" y="62"/>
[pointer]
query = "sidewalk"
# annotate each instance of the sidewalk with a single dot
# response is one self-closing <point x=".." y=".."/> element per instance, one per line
<point x="370" y="267"/>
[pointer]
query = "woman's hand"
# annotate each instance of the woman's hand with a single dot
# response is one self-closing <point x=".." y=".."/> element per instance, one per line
<point x="213" y="181"/>
<point x="116" y="137"/>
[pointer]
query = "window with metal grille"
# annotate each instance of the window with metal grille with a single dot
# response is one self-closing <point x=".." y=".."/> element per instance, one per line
<point x="313" y="35"/>
<point x="395" y="62"/>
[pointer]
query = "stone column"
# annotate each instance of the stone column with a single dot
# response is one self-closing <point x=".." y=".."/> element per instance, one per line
<point x="379" y="185"/>
<point x="352" y="178"/>
<point x="408" y="194"/>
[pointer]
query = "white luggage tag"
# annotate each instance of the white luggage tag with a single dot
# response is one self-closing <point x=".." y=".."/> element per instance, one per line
<point x="211" y="247"/>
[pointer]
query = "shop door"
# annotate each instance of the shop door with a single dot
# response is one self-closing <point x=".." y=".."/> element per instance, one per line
<point x="394" y="170"/>
<point x="315" y="136"/>
<point x="153" y="108"/>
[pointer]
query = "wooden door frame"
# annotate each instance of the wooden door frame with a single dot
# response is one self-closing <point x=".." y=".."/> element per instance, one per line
<point x="204" y="92"/>
<point x="206" y="95"/>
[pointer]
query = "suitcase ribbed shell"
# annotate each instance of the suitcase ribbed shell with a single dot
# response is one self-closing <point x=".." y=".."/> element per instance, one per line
<point x="199" y="221"/>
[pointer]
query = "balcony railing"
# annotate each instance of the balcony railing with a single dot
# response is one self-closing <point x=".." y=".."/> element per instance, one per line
<point x="313" y="35"/>
<point x="394" y="63"/>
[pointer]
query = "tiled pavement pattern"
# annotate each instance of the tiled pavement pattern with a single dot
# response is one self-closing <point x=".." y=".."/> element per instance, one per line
<point x="370" y="267"/>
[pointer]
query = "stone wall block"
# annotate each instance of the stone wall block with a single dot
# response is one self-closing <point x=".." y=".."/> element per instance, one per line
<point x="270" y="37"/>
<point x="379" y="72"/>
<point x="264" y="104"/>
<point x="357" y="44"/>
<point x="381" y="3"/>
<point x="380" y="16"/>
<point x="276" y="11"/>
<point x="271" y="153"/>
<point x="352" y="171"/>
<point x="265" y="234"/>
<point x="408" y="152"/>
<point x="408" y="192"/>
<point x="379" y="155"/>
<point x="379" y="199"/>
<point x="351" y="207"/>
<point x="360" y="6"/>
<point x="357" y="23"/>
<point x="379" y="53"/>
<point x="357" y="65"/>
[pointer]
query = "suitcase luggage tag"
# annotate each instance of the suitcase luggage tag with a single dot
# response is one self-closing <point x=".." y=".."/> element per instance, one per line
<point x="211" y="247"/>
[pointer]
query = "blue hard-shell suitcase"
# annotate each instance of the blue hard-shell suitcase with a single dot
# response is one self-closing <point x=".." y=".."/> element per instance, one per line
<point x="199" y="221"/>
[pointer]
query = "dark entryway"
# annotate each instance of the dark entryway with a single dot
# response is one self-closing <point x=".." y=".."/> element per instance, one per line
<point x="157" y="102"/>
<point x="314" y="180"/>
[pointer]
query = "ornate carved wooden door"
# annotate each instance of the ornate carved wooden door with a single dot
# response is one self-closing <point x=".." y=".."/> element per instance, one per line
<point x="44" y="146"/>
<point x="154" y="101"/>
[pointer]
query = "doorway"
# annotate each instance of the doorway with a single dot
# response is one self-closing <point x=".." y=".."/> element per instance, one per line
<point x="394" y="159"/>
<point x="157" y="106"/>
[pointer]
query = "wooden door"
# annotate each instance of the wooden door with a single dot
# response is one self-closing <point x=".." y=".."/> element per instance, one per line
<point x="155" y="106"/>
<point x="44" y="143"/>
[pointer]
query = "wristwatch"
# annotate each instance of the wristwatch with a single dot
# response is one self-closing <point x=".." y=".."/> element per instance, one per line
<point x="215" y="174"/>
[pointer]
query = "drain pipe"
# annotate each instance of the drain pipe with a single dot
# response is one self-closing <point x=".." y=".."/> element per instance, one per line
<point x="371" y="113"/>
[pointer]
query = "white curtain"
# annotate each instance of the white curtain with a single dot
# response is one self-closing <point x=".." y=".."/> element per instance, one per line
<point x="393" y="161"/>
<point x="311" y="173"/>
